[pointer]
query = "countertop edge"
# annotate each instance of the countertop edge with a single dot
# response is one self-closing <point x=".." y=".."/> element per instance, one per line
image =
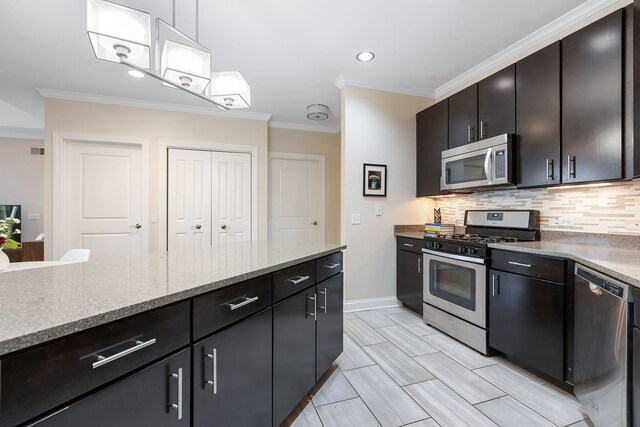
<point x="410" y="234"/>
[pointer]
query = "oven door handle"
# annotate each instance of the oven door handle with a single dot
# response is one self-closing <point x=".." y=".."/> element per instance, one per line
<point x="454" y="256"/>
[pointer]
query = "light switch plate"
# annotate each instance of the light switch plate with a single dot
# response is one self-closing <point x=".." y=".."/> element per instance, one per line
<point x="378" y="210"/>
<point x="355" y="219"/>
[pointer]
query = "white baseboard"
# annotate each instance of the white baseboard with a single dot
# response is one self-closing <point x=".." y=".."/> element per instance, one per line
<point x="371" y="303"/>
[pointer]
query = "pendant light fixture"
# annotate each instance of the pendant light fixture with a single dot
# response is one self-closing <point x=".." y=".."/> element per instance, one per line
<point x="122" y="34"/>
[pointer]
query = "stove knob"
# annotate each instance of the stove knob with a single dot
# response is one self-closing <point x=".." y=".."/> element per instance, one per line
<point x="473" y="251"/>
<point x="462" y="250"/>
<point x="438" y="245"/>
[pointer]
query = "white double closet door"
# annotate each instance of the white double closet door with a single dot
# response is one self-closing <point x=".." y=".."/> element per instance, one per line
<point x="209" y="198"/>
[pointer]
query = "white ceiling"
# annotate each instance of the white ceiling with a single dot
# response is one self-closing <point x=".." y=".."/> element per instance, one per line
<point x="291" y="51"/>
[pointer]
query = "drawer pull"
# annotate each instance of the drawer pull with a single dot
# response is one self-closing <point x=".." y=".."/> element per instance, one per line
<point x="324" y="307"/>
<point x="139" y="346"/>
<point x="246" y="301"/>
<point x="315" y="306"/>
<point x="214" y="369"/>
<point x="408" y="244"/>
<point x="298" y="279"/>
<point x="178" y="406"/>
<point x="331" y="266"/>
<point x="520" y="264"/>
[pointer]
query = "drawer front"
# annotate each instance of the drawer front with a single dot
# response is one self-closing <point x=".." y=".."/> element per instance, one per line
<point x="40" y="379"/>
<point x="293" y="279"/>
<point x="636" y="310"/>
<point x="539" y="266"/>
<point x="220" y="308"/>
<point x="411" y="245"/>
<point x="328" y="266"/>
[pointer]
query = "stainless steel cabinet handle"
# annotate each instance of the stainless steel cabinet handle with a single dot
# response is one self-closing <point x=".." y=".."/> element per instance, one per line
<point x="324" y="307"/>
<point x="214" y="370"/>
<point x="331" y="266"/>
<point x="483" y="125"/>
<point x="520" y="264"/>
<point x="243" y="303"/>
<point x="408" y="244"/>
<point x="419" y="265"/>
<point x="139" y="346"/>
<point x="495" y="285"/>
<point x="469" y="133"/>
<point x="298" y="279"/>
<point x="571" y="162"/>
<point x="178" y="406"/>
<point x="315" y="305"/>
<point x="549" y="169"/>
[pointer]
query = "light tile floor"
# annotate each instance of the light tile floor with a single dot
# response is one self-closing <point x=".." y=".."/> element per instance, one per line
<point x="397" y="371"/>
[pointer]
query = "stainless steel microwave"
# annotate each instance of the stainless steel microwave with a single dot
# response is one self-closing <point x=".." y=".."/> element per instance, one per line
<point x="482" y="164"/>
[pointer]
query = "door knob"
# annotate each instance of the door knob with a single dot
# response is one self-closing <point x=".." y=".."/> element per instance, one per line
<point x="197" y="226"/>
<point x="138" y="226"/>
<point x="314" y="223"/>
<point x="223" y="226"/>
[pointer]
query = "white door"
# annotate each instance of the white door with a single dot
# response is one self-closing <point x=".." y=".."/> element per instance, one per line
<point x="297" y="199"/>
<point x="189" y="199"/>
<point x="105" y="199"/>
<point x="231" y="196"/>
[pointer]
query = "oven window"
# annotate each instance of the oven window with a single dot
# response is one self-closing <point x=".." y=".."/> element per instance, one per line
<point x="453" y="283"/>
<point x="469" y="169"/>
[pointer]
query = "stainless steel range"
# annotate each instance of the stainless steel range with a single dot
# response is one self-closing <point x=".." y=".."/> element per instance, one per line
<point x="455" y="271"/>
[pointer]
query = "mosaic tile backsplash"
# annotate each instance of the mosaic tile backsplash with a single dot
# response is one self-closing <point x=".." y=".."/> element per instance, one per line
<point x="612" y="209"/>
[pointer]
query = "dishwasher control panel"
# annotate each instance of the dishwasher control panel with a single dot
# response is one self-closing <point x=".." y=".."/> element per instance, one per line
<point x="601" y="282"/>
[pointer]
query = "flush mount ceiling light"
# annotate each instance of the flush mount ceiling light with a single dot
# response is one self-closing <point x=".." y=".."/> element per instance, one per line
<point x="365" y="56"/>
<point x="317" y="112"/>
<point x="122" y="34"/>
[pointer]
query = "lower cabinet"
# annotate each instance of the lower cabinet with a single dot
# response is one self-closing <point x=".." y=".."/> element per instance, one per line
<point x="635" y="401"/>
<point x="526" y="321"/>
<point x="156" y="396"/>
<point x="294" y="351"/>
<point x="232" y="374"/>
<point x="409" y="273"/>
<point x="329" y="323"/>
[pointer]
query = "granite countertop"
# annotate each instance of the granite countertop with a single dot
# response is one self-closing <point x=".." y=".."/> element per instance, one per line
<point x="410" y="234"/>
<point x="618" y="262"/>
<point x="41" y="304"/>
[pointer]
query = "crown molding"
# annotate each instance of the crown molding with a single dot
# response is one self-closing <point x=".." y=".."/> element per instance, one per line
<point x="155" y="105"/>
<point x="308" y="128"/>
<point x="566" y="21"/>
<point x="344" y="80"/>
<point x="21" y="133"/>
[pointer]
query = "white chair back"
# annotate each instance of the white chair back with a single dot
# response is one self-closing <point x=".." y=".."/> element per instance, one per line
<point x="76" y="255"/>
<point x="40" y="237"/>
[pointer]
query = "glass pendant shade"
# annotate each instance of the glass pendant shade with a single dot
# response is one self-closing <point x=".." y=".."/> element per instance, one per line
<point x="119" y="32"/>
<point x="229" y="88"/>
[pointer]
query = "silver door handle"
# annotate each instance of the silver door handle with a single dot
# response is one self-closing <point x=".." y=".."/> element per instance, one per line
<point x="419" y="265"/>
<point x="487" y="166"/>
<point x="197" y="226"/>
<point x="481" y="130"/>
<point x="408" y="244"/>
<point x="139" y="346"/>
<point x="495" y="290"/>
<point x="571" y="163"/>
<point x="314" y="223"/>
<point x="299" y="280"/>
<point x="549" y="169"/>
<point x="178" y="406"/>
<point x="243" y="303"/>
<point x="224" y="226"/>
<point x="214" y="370"/>
<point x="520" y="264"/>
<point x="137" y="226"/>
<point x="469" y="136"/>
<point x="331" y="266"/>
<point x="315" y="306"/>
<point x="324" y="307"/>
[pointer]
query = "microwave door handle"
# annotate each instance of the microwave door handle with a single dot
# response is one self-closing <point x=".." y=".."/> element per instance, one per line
<point x="488" y="166"/>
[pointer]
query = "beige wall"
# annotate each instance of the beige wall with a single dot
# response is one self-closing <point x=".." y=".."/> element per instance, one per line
<point x="615" y="6"/>
<point x="154" y="125"/>
<point x="22" y="182"/>
<point x="318" y="143"/>
<point x="378" y="127"/>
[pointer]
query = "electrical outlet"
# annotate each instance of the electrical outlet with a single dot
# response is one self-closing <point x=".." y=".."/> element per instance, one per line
<point x="34" y="216"/>
<point x="567" y="221"/>
<point x="355" y="219"/>
<point x="632" y="224"/>
<point x="378" y="210"/>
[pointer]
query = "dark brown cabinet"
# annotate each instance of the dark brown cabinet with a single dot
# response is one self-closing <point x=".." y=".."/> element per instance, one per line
<point x="497" y="104"/>
<point x="431" y="140"/>
<point x="538" y="118"/>
<point x="409" y="273"/>
<point x="156" y="396"/>
<point x="463" y="117"/>
<point x="329" y="327"/>
<point x="592" y="83"/>
<point x="232" y="374"/>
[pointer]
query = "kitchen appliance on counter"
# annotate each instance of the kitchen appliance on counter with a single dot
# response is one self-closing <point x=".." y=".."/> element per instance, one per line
<point x="601" y="347"/>
<point x="479" y="165"/>
<point x="455" y="271"/>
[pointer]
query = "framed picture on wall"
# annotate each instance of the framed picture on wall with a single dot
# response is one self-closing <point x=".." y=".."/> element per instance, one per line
<point x="374" y="180"/>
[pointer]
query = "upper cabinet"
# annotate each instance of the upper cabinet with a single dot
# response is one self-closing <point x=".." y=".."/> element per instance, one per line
<point x="463" y="117"/>
<point x="431" y="133"/>
<point x="538" y="118"/>
<point x="497" y="104"/>
<point x="592" y="82"/>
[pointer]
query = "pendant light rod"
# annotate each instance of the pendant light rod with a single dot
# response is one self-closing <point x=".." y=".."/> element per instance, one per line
<point x="197" y="26"/>
<point x="173" y="13"/>
<point x="162" y="79"/>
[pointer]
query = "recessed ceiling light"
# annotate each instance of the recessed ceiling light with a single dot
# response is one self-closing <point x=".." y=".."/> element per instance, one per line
<point x="365" y="56"/>
<point x="136" y="73"/>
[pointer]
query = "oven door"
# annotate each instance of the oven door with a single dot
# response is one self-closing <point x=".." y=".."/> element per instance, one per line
<point x="456" y="284"/>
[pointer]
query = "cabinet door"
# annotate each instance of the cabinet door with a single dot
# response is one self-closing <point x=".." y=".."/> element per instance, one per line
<point x="592" y="102"/>
<point x="463" y="115"/>
<point x="538" y="118"/>
<point x="526" y="321"/>
<point x="409" y="279"/>
<point x="329" y="324"/>
<point x="431" y="140"/>
<point x="294" y="352"/>
<point x="232" y="375"/>
<point x="636" y="377"/>
<point x="156" y="396"/>
<point x="497" y="103"/>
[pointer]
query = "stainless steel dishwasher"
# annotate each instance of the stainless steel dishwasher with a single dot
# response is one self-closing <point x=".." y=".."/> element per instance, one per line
<point x="601" y="347"/>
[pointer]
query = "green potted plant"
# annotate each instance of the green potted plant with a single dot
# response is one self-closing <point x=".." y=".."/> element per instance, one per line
<point x="7" y="231"/>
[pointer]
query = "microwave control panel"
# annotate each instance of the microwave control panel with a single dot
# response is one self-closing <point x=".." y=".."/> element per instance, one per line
<point x="500" y="164"/>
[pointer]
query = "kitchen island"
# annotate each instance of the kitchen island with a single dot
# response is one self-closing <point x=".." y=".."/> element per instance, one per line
<point x="81" y="338"/>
